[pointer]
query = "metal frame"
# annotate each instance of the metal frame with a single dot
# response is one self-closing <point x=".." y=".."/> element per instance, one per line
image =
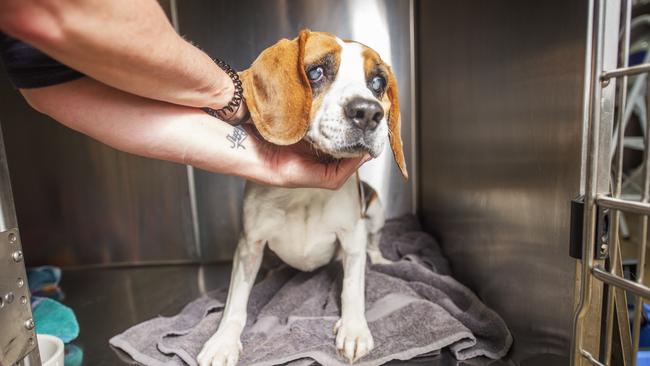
<point x="605" y="17"/>
<point x="17" y="337"/>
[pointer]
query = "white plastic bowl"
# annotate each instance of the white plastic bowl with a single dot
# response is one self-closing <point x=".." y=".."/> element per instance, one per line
<point x="51" y="348"/>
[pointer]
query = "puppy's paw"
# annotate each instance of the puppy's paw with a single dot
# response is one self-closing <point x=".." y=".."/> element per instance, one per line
<point x="353" y="338"/>
<point x="220" y="350"/>
<point x="377" y="258"/>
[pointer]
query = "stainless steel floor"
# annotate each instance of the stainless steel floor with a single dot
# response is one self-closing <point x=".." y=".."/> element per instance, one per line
<point x="108" y="301"/>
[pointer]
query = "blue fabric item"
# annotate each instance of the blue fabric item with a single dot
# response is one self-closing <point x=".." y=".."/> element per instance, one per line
<point x="636" y="58"/>
<point x="643" y="358"/>
<point x="44" y="281"/>
<point x="53" y="318"/>
<point x="42" y="276"/>
<point x="644" y="336"/>
<point x="74" y="355"/>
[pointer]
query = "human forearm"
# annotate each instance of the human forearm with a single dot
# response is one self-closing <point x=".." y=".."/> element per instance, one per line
<point x="148" y="128"/>
<point x="129" y="45"/>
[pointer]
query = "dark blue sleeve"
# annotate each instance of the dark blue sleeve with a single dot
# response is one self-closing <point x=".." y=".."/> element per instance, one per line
<point x="28" y="67"/>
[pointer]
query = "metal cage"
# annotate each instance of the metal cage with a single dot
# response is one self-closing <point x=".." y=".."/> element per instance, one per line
<point x="602" y="336"/>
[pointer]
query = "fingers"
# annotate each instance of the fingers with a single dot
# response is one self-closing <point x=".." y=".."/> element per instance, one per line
<point x="341" y="170"/>
<point x="307" y="173"/>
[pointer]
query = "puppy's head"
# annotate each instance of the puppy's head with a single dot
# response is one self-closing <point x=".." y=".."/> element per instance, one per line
<point x="338" y="95"/>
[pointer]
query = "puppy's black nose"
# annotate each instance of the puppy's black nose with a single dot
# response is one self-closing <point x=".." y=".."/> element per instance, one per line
<point x="364" y="113"/>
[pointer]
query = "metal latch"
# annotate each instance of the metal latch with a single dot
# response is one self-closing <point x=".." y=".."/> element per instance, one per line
<point x="601" y="251"/>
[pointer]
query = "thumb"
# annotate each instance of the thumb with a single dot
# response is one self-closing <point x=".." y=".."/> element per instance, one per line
<point x="344" y="168"/>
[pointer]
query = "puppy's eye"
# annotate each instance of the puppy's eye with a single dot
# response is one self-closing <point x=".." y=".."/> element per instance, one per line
<point x="315" y="74"/>
<point x="378" y="84"/>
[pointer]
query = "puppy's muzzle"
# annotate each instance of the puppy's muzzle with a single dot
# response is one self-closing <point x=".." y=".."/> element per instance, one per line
<point x="364" y="114"/>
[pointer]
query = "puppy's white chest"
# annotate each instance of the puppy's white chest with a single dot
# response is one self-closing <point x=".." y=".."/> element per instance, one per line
<point x="301" y="225"/>
<point x="305" y="243"/>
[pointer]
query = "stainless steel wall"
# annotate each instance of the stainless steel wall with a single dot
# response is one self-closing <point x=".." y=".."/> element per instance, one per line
<point x="79" y="202"/>
<point x="501" y="96"/>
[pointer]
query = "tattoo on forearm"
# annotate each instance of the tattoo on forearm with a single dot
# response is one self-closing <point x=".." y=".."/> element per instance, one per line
<point x="237" y="137"/>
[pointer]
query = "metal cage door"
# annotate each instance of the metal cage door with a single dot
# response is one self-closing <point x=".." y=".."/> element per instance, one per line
<point x="602" y="331"/>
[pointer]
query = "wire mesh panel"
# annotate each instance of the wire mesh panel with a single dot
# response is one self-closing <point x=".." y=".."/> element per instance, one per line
<point x="616" y="191"/>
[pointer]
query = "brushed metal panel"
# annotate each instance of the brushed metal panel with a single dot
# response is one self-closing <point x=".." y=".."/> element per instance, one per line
<point x="237" y="31"/>
<point x="7" y="208"/>
<point x="501" y="95"/>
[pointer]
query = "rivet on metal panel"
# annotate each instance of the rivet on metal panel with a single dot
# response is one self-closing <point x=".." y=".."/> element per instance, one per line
<point x="18" y="256"/>
<point x="9" y="298"/>
<point x="20" y="282"/>
<point x="23" y="300"/>
<point x="31" y="341"/>
<point x="29" y="324"/>
<point x="2" y="302"/>
<point x="12" y="238"/>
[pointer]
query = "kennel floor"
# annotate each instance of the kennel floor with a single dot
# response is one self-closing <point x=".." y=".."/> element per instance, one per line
<point x="108" y="301"/>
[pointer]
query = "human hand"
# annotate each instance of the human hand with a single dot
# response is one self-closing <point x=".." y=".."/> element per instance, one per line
<point x="300" y="165"/>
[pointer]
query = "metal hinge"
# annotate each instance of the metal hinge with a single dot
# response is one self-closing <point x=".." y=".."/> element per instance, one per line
<point x="601" y="251"/>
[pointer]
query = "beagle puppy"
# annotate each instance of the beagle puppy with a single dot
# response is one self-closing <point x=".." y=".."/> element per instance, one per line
<point x="342" y="98"/>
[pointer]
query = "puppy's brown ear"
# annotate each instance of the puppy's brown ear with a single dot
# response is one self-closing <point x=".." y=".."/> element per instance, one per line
<point x="277" y="91"/>
<point x="394" y="124"/>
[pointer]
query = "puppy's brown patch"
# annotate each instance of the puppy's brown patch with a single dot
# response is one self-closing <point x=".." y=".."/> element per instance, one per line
<point x="277" y="91"/>
<point x="322" y="50"/>
<point x="319" y="45"/>
<point x="374" y="65"/>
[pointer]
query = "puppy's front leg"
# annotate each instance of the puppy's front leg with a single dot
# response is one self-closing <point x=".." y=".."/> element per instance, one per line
<point x="224" y="346"/>
<point x="353" y="338"/>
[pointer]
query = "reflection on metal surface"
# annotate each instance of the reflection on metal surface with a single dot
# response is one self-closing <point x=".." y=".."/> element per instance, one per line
<point x="7" y="210"/>
<point x="127" y="296"/>
<point x="501" y="92"/>
<point x="245" y="28"/>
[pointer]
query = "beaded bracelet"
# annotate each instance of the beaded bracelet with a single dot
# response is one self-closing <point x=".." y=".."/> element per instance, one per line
<point x="227" y="112"/>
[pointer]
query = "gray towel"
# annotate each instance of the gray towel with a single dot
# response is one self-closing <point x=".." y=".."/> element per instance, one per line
<point x="413" y="307"/>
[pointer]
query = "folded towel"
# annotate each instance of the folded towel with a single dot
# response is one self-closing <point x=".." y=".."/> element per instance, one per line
<point x="413" y="307"/>
<point x="51" y="317"/>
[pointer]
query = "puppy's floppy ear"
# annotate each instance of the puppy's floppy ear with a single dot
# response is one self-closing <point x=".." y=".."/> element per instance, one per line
<point x="278" y="93"/>
<point x="394" y="124"/>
